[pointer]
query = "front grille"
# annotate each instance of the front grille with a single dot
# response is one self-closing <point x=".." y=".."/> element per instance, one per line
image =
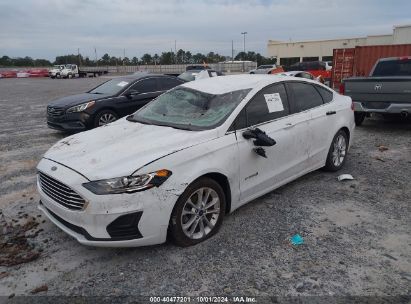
<point x="61" y="193"/>
<point x="54" y="111"/>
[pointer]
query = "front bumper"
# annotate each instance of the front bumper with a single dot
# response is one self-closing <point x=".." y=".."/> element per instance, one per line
<point x="391" y="108"/>
<point x="70" y="122"/>
<point x="101" y="221"/>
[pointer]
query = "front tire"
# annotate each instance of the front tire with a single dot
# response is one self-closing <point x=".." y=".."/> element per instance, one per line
<point x="105" y="117"/>
<point x="337" y="153"/>
<point x="198" y="213"/>
<point x="359" y="118"/>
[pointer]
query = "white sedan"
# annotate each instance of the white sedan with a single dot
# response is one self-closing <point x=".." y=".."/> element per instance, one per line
<point x="177" y="166"/>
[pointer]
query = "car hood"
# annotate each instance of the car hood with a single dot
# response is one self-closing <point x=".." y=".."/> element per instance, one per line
<point x="120" y="148"/>
<point x="77" y="99"/>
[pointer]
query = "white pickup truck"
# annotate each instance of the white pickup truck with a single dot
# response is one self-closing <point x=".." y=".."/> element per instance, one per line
<point x="72" y="70"/>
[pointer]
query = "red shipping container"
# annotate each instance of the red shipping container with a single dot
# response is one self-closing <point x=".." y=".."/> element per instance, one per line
<point x="343" y="61"/>
<point x="360" y="60"/>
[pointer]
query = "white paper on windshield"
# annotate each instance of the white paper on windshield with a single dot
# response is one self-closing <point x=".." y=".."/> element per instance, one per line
<point x="122" y="83"/>
<point x="274" y="102"/>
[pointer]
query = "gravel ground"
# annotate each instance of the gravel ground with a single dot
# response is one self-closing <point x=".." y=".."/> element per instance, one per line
<point x="357" y="233"/>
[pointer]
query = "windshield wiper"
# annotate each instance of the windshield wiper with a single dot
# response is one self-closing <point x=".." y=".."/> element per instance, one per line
<point x="96" y="93"/>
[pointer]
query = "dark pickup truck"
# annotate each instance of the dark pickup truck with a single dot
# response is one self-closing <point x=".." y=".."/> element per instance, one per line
<point x="387" y="90"/>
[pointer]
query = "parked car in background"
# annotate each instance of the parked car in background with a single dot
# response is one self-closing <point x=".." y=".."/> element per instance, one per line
<point x="197" y="67"/>
<point x="328" y="65"/>
<point x="192" y="74"/>
<point x="301" y="74"/>
<point x="386" y="91"/>
<point x="55" y="71"/>
<point x="316" y="68"/>
<point x="107" y="102"/>
<point x="199" y="151"/>
<point x="263" y="69"/>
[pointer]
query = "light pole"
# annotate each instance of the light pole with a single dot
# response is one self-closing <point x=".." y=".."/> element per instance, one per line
<point x="244" y="33"/>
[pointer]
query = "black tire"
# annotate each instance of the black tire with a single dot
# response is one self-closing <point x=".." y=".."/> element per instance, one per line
<point x="176" y="231"/>
<point x="359" y="118"/>
<point x="58" y="75"/>
<point x="252" y="73"/>
<point x="104" y="113"/>
<point x="331" y="164"/>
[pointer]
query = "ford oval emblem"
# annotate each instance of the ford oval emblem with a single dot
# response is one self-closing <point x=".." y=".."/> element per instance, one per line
<point x="54" y="168"/>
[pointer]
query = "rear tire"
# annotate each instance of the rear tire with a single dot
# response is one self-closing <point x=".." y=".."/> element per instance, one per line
<point x="359" y="118"/>
<point x="337" y="153"/>
<point x="198" y="213"/>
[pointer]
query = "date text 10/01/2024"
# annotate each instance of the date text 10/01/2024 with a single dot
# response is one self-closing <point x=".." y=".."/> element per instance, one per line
<point x="203" y="299"/>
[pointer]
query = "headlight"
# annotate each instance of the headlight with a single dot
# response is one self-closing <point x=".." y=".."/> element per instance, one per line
<point x="81" y="107"/>
<point x="128" y="184"/>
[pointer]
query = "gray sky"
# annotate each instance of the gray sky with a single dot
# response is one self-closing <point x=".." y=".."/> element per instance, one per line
<point x="47" y="28"/>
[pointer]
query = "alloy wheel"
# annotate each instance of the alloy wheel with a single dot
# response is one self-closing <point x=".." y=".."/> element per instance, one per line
<point x="106" y="118"/>
<point x="200" y="213"/>
<point x="339" y="150"/>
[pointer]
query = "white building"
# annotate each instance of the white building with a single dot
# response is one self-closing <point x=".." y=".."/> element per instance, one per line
<point x="291" y="52"/>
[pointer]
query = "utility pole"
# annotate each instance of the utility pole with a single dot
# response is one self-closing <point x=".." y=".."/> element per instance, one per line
<point x="78" y="56"/>
<point x="175" y="51"/>
<point x="95" y="54"/>
<point x="232" y="50"/>
<point x="124" y="56"/>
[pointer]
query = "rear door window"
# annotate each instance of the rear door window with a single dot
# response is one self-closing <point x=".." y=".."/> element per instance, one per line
<point x="305" y="96"/>
<point x="268" y="104"/>
<point x="167" y="83"/>
<point x="146" y="85"/>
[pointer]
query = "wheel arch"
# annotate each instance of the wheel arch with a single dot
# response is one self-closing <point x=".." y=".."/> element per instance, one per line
<point x="347" y="132"/>
<point x="222" y="180"/>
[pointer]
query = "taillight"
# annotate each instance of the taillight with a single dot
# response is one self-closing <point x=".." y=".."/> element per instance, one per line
<point x="342" y="88"/>
<point x="352" y="105"/>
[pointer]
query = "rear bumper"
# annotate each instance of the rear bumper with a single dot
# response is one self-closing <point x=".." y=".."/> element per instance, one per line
<point x="393" y="108"/>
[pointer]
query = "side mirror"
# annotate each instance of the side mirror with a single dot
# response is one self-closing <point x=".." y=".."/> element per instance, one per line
<point x="261" y="138"/>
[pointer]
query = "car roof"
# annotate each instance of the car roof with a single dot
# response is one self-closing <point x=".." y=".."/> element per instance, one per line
<point x="292" y="73"/>
<point x="230" y="83"/>
<point x="141" y="75"/>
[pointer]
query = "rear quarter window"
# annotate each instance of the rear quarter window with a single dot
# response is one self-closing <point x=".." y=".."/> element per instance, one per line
<point x="327" y="95"/>
<point x="305" y="96"/>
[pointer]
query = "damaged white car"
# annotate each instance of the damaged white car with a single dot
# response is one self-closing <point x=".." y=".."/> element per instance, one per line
<point x="196" y="153"/>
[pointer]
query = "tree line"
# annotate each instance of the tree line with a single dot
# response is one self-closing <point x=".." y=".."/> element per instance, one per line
<point x="180" y="57"/>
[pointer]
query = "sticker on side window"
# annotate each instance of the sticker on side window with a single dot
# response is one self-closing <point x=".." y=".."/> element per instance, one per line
<point x="274" y="102"/>
<point x="122" y="83"/>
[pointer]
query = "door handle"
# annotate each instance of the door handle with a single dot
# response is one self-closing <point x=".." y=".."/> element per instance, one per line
<point x="331" y="113"/>
<point x="289" y="125"/>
